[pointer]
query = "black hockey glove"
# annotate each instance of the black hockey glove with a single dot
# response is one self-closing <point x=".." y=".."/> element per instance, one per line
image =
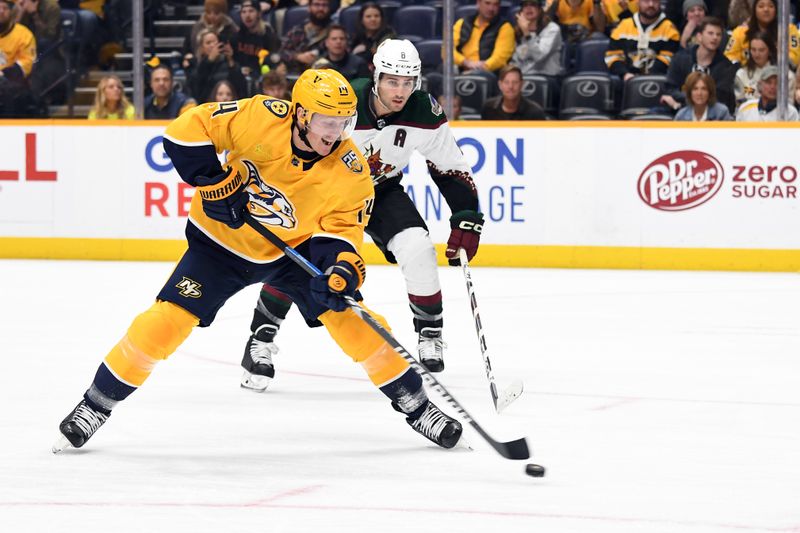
<point x="465" y="232"/>
<point x="224" y="197"/>
<point x="342" y="278"/>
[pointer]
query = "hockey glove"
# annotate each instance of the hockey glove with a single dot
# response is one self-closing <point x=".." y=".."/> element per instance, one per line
<point x="342" y="278"/>
<point x="465" y="232"/>
<point x="224" y="197"/>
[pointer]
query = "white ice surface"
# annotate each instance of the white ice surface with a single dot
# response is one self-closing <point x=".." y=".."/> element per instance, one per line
<point x="659" y="402"/>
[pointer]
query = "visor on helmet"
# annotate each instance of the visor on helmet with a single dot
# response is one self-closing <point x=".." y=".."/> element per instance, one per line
<point x="330" y="127"/>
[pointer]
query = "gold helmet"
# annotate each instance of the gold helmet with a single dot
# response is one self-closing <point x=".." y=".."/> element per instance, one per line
<point x="328" y="94"/>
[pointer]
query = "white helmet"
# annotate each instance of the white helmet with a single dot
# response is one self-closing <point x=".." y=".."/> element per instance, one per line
<point x="398" y="57"/>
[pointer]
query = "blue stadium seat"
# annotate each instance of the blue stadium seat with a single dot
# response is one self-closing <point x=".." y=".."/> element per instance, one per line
<point x="294" y="15"/>
<point x="465" y="11"/>
<point x="641" y="94"/>
<point x="540" y="89"/>
<point x="419" y="21"/>
<point x="473" y="91"/>
<point x="430" y="52"/>
<point x="586" y="94"/>
<point x="590" y="55"/>
<point x="390" y="7"/>
<point x="348" y="17"/>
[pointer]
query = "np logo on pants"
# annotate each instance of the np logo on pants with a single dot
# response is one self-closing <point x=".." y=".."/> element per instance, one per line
<point x="189" y="288"/>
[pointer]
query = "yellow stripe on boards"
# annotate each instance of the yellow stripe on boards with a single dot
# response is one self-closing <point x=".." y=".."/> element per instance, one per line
<point x="495" y="255"/>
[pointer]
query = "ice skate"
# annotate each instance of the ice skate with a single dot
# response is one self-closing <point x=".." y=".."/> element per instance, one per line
<point x="257" y="364"/>
<point x="431" y="349"/>
<point x="79" y="426"/>
<point x="436" y="426"/>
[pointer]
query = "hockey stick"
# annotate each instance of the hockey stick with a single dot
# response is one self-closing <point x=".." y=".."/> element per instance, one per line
<point x="515" y="389"/>
<point x="515" y="449"/>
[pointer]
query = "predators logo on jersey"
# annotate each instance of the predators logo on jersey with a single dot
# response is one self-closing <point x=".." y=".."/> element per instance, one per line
<point x="278" y="107"/>
<point x="268" y="205"/>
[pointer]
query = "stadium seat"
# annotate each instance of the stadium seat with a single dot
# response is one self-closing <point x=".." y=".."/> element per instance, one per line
<point x="590" y="55"/>
<point x="348" y="17"/>
<point x="419" y="21"/>
<point x="430" y="52"/>
<point x="540" y="89"/>
<point x="465" y="11"/>
<point x="390" y="7"/>
<point x="294" y="15"/>
<point x="586" y="94"/>
<point x="653" y="116"/>
<point x="641" y="94"/>
<point x="473" y="91"/>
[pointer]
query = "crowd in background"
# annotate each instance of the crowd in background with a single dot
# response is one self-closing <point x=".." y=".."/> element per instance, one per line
<point x="717" y="57"/>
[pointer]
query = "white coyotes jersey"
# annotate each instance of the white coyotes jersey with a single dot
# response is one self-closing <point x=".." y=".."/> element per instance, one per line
<point x="387" y="144"/>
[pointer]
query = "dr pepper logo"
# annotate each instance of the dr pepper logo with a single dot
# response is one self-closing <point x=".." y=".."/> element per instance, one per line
<point x="680" y="180"/>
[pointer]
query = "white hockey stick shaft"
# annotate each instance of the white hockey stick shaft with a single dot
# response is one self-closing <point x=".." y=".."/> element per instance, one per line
<point x="515" y="389"/>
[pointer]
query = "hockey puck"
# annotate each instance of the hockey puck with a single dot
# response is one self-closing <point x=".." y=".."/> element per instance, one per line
<point x="534" y="470"/>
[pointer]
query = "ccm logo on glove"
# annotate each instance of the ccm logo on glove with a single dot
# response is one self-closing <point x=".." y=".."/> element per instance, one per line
<point x="465" y="232"/>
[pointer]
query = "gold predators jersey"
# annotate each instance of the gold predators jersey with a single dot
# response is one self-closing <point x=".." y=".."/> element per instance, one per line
<point x="295" y="198"/>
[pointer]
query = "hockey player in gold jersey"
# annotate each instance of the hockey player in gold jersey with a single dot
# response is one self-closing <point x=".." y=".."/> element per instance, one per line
<point x="293" y="167"/>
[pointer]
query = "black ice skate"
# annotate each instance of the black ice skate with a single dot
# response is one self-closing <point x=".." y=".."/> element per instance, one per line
<point x="257" y="364"/>
<point x="79" y="426"/>
<point x="431" y="349"/>
<point x="436" y="426"/>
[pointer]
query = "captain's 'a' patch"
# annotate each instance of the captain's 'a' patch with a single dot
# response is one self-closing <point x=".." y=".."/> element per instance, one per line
<point x="351" y="160"/>
<point x="279" y="108"/>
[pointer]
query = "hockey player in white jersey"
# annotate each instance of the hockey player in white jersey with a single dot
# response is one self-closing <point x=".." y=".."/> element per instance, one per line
<point x="395" y="118"/>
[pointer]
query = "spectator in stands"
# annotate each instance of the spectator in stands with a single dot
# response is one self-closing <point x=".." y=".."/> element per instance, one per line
<point x="110" y="101"/>
<point x="215" y="18"/>
<point x="765" y="108"/>
<point x="763" y="18"/>
<point x="616" y="10"/>
<point x="693" y="12"/>
<point x="456" y="115"/>
<point x="165" y="103"/>
<point x="338" y="58"/>
<point x="304" y="44"/>
<point x="17" y="54"/>
<point x="274" y="84"/>
<point x="701" y="100"/>
<point x="43" y="18"/>
<point x="763" y="52"/>
<point x="797" y="89"/>
<point x="214" y="63"/>
<point x="256" y="43"/>
<point x="371" y="29"/>
<point x="223" y="91"/>
<point x="739" y="12"/>
<point x="578" y="18"/>
<point x="643" y="43"/>
<point x="483" y="42"/>
<point x="707" y="57"/>
<point x="511" y="105"/>
<point x="538" y="41"/>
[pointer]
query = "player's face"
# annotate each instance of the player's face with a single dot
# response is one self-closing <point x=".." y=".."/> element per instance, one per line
<point x="765" y="11"/>
<point x="394" y="91"/>
<point x="700" y="93"/>
<point x="324" y="130"/>
<point x="769" y="88"/>
<point x="759" y="51"/>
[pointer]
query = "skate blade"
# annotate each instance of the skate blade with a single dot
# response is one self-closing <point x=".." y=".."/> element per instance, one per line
<point x="61" y="444"/>
<point x="254" y="382"/>
<point x="463" y="444"/>
<point x="513" y="392"/>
